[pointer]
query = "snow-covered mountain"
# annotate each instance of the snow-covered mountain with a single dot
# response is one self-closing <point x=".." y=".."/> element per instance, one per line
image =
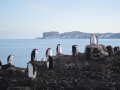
<point x="78" y="35"/>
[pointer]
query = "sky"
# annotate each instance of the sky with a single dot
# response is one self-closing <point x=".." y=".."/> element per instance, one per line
<point x="28" y="19"/>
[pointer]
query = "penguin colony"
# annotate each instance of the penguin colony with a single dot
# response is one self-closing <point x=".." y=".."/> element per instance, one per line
<point x="32" y="71"/>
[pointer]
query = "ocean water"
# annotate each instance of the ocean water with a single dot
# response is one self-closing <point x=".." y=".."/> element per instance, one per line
<point x="22" y="48"/>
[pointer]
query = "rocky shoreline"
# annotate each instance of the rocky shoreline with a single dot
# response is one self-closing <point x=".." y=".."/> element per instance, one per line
<point x="69" y="73"/>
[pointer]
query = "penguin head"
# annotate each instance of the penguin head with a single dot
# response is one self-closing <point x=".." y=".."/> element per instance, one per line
<point x="116" y="48"/>
<point x="74" y="46"/>
<point x="35" y="51"/>
<point x="109" y="47"/>
<point x="48" y="52"/>
<point x="58" y="45"/>
<point x="49" y="48"/>
<point x="10" y="59"/>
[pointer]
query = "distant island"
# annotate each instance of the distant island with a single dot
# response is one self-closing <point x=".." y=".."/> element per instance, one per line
<point x="77" y="35"/>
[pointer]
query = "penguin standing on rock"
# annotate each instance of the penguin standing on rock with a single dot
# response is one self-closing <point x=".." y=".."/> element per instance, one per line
<point x="74" y="50"/>
<point x="32" y="72"/>
<point x="93" y="39"/>
<point x="48" y="52"/>
<point x="50" y="62"/>
<point x="10" y="59"/>
<point x="58" y="50"/>
<point x="9" y="65"/>
<point x="34" y="55"/>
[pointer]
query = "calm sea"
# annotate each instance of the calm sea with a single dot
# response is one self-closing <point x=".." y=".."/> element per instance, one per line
<point x="21" y="48"/>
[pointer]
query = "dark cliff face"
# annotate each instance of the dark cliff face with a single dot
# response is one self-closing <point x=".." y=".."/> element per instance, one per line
<point x="50" y="35"/>
<point x="78" y="35"/>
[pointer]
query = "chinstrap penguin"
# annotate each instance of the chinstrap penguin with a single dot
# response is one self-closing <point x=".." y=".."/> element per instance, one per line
<point x="58" y="49"/>
<point x="9" y="65"/>
<point x="93" y="39"/>
<point x="48" y="52"/>
<point x="10" y="59"/>
<point x="34" y="55"/>
<point x="74" y="50"/>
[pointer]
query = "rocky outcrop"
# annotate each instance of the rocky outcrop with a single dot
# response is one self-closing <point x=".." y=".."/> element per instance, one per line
<point x="47" y="35"/>
<point x="78" y="35"/>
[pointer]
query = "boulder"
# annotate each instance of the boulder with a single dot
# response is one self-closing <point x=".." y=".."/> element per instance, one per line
<point x="95" y="51"/>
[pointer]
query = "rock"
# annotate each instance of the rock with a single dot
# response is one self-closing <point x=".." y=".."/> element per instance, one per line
<point x="18" y="88"/>
<point x="102" y="74"/>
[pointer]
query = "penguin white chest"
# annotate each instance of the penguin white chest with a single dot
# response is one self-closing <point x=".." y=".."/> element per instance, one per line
<point x="59" y="49"/>
<point x="31" y="72"/>
<point x="36" y="55"/>
<point x="50" y="52"/>
<point x="77" y="49"/>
